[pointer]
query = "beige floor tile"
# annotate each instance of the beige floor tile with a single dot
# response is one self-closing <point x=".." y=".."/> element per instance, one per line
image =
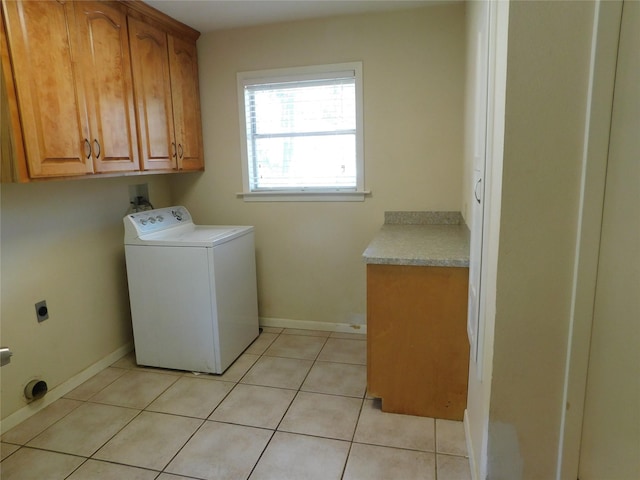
<point x="170" y="476"/>
<point x="453" y="468"/>
<point x="94" y="469"/>
<point x="278" y="372"/>
<point x="296" y="346"/>
<point x="84" y="430"/>
<point x="261" y="343"/>
<point x="336" y="379"/>
<point x="342" y="350"/>
<point x="30" y="464"/>
<point x="135" y="389"/>
<point x="191" y="397"/>
<point x="371" y="462"/>
<point x="312" y="424"/>
<point x="149" y="441"/>
<point x="394" y="430"/>
<point x="235" y="372"/>
<point x="322" y="415"/>
<point x="295" y="457"/>
<point x="221" y="451"/>
<point x="129" y="362"/>
<point x="311" y="333"/>
<point x="450" y="437"/>
<point x="254" y="406"/>
<point x="34" y="425"/>
<point x="7" y="449"/>
<point x="96" y="383"/>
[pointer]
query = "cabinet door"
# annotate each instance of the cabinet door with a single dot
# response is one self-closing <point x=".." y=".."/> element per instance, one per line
<point x="152" y="87"/>
<point x="183" y="60"/>
<point x="42" y="40"/>
<point x="106" y="68"/>
<point x="417" y="349"/>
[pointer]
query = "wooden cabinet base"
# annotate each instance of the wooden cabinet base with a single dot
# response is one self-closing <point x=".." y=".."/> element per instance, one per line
<point x="417" y="348"/>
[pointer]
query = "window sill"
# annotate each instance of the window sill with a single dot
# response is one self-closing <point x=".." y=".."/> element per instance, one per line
<point x="308" y="196"/>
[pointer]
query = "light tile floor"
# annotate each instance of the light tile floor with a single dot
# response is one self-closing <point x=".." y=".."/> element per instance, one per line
<point x="293" y="406"/>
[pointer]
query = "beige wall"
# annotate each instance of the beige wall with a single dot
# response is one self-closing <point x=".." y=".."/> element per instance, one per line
<point x="546" y="96"/>
<point x="309" y="254"/>
<point x="62" y="242"/>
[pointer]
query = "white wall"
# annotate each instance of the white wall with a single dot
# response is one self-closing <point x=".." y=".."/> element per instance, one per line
<point x="309" y="254"/>
<point x="62" y="241"/>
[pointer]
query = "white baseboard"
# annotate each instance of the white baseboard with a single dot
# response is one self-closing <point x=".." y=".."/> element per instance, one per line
<point x="312" y="325"/>
<point x="467" y="436"/>
<point x="62" y="389"/>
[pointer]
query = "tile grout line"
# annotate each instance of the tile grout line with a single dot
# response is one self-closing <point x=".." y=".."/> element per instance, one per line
<point x="273" y="434"/>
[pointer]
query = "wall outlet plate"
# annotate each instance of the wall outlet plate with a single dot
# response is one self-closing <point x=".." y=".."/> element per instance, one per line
<point x="42" y="312"/>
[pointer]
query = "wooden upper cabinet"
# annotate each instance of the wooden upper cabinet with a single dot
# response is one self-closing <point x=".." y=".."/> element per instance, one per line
<point x="96" y="87"/>
<point x="42" y="38"/>
<point x="152" y="86"/>
<point x="106" y="70"/>
<point x="165" y="78"/>
<point x="183" y="61"/>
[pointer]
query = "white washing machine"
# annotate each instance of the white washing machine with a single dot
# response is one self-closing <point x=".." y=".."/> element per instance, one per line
<point x="192" y="290"/>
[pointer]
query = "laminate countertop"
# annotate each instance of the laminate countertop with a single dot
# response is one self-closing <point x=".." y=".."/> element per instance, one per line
<point x="420" y="238"/>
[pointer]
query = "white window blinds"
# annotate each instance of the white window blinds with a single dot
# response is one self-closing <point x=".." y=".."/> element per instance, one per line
<point x="301" y="132"/>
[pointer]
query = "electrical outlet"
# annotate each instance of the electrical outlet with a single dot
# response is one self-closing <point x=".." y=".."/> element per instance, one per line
<point x="42" y="312"/>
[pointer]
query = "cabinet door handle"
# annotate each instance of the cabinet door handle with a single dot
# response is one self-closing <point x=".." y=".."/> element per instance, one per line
<point x="87" y="148"/>
<point x="97" y="144"/>
<point x="180" y="151"/>
<point x="475" y="190"/>
<point x="173" y="144"/>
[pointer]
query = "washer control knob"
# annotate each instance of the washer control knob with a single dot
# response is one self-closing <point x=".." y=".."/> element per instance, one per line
<point x="160" y="218"/>
<point x="178" y="214"/>
<point x="152" y="219"/>
<point x="143" y="222"/>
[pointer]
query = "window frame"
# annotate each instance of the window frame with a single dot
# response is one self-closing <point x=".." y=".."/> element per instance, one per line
<point x="283" y="75"/>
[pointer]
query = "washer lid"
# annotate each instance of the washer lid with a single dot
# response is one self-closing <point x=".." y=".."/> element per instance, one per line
<point x="193" y="235"/>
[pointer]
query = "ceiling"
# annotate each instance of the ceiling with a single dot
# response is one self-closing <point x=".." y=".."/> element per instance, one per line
<point x="208" y="15"/>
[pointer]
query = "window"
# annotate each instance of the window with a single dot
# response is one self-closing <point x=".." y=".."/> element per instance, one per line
<point x="302" y="133"/>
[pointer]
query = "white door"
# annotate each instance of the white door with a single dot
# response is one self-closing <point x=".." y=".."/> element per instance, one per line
<point x="479" y="163"/>
<point x="610" y="447"/>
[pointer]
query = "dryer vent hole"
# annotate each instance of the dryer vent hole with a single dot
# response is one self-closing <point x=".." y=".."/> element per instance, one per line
<point x="35" y="389"/>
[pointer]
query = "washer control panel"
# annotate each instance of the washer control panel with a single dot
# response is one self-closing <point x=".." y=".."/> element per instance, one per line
<point x="150" y="221"/>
